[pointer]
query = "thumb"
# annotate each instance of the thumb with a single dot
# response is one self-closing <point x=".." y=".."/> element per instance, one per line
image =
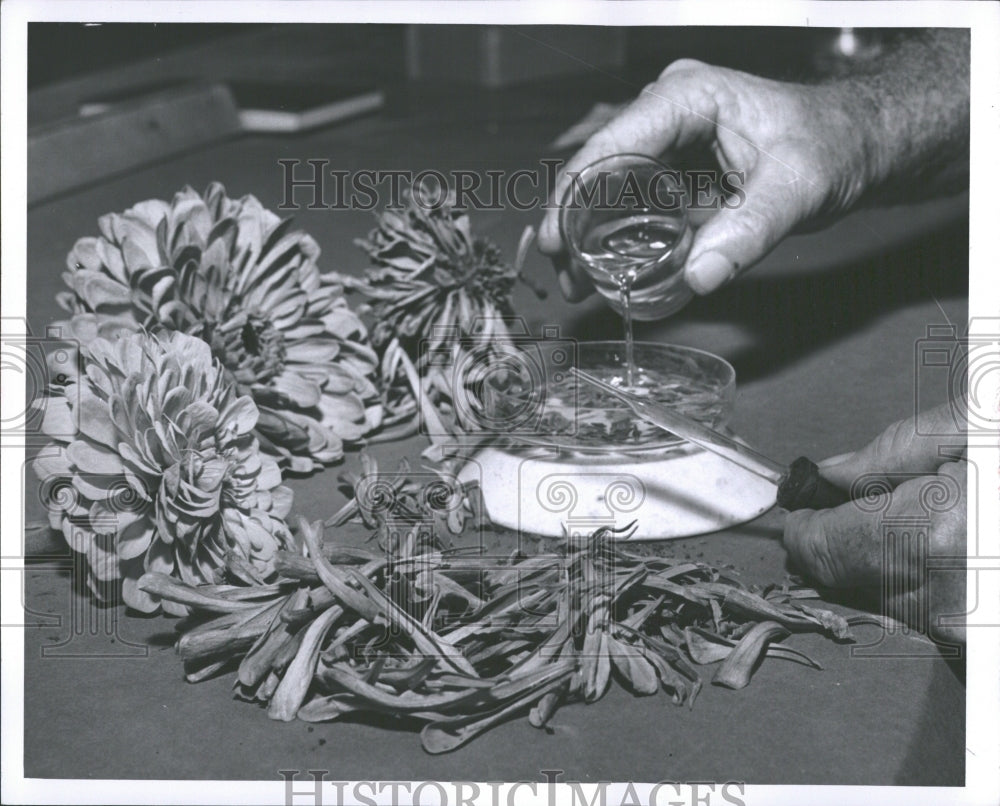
<point x="773" y="203"/>
<point x="920" y="444"/>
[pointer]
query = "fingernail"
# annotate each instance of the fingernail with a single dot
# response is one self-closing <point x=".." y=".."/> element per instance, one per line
<point x="548" y="240"/>
<point x="707" y="272"/>
<point x="566" y="284"/>
<point x="833" y="461"/>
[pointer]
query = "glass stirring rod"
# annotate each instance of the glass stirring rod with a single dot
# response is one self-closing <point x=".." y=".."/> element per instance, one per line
<point x="800" y="486"/>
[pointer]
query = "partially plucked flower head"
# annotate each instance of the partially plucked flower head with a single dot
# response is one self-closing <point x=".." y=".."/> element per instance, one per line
<point x="232" y="273"/>
<point x="155" y="467"/>
<point x="437" y="293"/>
<point x="431" y="274"/>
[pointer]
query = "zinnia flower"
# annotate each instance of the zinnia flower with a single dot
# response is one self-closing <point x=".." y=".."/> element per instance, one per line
<point x="235" y="275"/>
<point x="431" y="276"/>
<point x="162" y="471"/>
<point x="436" y="291"/>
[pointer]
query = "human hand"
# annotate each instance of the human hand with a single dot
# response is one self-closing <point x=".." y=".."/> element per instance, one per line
<point x="899" y="475"/>
<point x="802" y="151"/>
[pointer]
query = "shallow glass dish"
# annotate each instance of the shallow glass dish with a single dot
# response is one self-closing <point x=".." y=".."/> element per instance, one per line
<point x="535" y="402"/>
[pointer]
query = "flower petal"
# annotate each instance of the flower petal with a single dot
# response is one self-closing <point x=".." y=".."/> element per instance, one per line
<point x="57" y="417"/>
<point x="344" y="415"/>
<point x="95" y="418"/>
<point x="241" y="416"/>
<point x="134" y="539"/>
<point x="301" y="392"/>
<point x="96" y="486"/>
<point x="97" y="289"/>
<point x="312" y="352"/>
<point x="159" y="558"/>
<point x="200" y="417"/>
<point x="344" y="323"/>
<point x="281" y="501"/>
<point x="137" y="598"/>
<point x="269" y="476"/>
<point x="102" y="559"/>
<point x="91" y="458"/>
<point x="84" y="255"/>
<point x="51" y="462"/>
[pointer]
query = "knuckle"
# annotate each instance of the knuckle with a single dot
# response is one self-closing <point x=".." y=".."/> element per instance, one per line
<point x="947" y="503"/>
<point x="810" y="547"/>
<point x="604" y="142"/>
<point x="957" y="471"/>
<point x="684" y="66"/>
<point x="752" y="224"/>
<point x="797" y="171"/>
<point x="947" y="536"/>
<point x="726" y="99"/>
<point x="892" y="442"/>
<point x="946" y="419"/>
<point x="701" y="85"/>
<point x="803" y="161"/>
<point x="822" y="561"/>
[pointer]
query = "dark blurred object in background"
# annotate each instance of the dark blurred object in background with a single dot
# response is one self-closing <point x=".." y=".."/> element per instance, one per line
<point x="851" y="50"/>
<point x="70" y="63"/>
<point x="501" y="56"/>
<point x="60" y="50"/>
<point x="790" y="54"/>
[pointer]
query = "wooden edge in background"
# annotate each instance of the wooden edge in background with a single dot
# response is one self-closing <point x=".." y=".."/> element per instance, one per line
<point x="69" y="154"/>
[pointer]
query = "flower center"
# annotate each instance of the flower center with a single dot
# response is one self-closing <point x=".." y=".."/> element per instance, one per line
<point x="253" y="353"/>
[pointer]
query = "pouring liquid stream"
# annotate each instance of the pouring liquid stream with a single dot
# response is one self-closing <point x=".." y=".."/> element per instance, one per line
<point x="625" y="280"/>
<point x="626" y="249"/>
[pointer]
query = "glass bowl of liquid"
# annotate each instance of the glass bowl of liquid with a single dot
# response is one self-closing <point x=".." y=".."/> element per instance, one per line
<point x="624" y="221"/>
<point x="537" y="404"/>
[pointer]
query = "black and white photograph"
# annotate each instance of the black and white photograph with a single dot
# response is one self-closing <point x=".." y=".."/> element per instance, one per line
<point x="463" y="402"/>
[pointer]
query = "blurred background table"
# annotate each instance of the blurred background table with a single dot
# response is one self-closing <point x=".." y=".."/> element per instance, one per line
<point x="825" y="338"/>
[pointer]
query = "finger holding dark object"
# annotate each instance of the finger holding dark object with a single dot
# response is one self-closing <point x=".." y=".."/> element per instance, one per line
<point x="847" y="546"/>
<point x="804" y="488"/>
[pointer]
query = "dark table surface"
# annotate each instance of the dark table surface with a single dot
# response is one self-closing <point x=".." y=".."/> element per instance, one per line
<point x="823" y="337"/>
